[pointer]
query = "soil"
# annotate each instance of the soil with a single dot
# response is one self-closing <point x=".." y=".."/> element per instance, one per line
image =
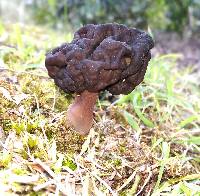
<point x="189" y="47"/>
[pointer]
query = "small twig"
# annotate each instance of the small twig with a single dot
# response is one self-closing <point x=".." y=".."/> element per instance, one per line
<point x="24" y="179"/>
<point x="56" y="179"/>
<point x="128" y="181"/>
<point x="66" y="168"/>
<point x="37" y="103"/>
<point x="95" y="163"/>
<point x="38" y="108"/>
<point x="134" y="186"/>
<point x="146" y="181"/>
<point x="3" y="145"/>
<point x="45" y="167"/>
<point x="79" y="168"/>
<point x="44" y="185"/>
<point x="104" y="183"/>
<point x="7" y="45"/>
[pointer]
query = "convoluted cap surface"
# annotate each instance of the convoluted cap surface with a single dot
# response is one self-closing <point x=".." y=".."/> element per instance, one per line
<point x="101" y="57"/>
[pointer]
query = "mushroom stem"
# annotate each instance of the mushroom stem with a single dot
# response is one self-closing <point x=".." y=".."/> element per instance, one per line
<point x="80" y="113"/>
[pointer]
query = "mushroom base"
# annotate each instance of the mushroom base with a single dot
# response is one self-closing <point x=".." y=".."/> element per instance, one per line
<point x="80" y="113"/>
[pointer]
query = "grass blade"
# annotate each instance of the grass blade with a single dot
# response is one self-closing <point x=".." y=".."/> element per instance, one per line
<point x="136" y="106"/>
<point x="188" y="121"/>
<point x="165" y="155"/>
<point x="131" y="121"/>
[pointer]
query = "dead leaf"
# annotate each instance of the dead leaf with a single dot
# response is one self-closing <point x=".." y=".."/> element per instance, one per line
<point x="6" y="93"/>
<point x="18" y="98"/>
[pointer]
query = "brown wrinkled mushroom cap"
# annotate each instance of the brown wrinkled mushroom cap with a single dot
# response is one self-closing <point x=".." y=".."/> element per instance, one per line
<point x="109" y="57"/>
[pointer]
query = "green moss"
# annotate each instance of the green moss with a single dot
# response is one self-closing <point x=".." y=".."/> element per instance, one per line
<point x="69" y="163"/>
<point x="20" y="171"/>
<point x="68" y="140"/>
<point x="5" y="159"/>
<point x="117" y="162"/>
<point x="32" y="141"/>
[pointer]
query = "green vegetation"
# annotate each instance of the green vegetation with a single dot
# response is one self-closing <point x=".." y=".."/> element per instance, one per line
<point x="146" y="142"/>
<point x="175" y="15"/>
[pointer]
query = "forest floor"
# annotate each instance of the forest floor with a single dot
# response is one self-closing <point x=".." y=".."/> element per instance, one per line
<point x="144" y="143"/>
<point x="189" y="47"/>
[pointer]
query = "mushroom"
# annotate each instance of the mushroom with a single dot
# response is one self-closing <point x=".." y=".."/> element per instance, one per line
<point x="100" y="57"/>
